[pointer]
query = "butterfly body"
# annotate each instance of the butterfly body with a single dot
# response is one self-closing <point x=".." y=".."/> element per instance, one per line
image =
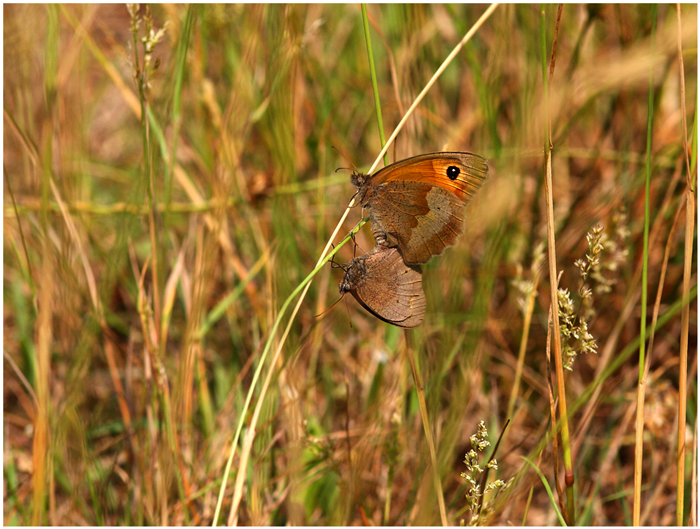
<point x="386" y="287"/>
<point x="417" y="205"/>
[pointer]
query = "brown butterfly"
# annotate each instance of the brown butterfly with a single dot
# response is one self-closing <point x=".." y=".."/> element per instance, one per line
<point x="386" y="287"/>
<point x="417" y="205"/>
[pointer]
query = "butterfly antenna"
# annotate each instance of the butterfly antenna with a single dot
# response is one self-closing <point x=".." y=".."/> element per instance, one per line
<point x="329" y="308"/>
<point x="346" y="158"/>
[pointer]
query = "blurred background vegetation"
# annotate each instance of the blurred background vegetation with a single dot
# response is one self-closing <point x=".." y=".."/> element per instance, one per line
<point x="146" y="262"/>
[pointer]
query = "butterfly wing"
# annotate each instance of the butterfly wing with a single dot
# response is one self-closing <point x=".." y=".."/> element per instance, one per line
<point x="386" y="287"/>
<point x="460" y="173"/>
<point x="417" y="204"/>
<point x="419" y="219"/>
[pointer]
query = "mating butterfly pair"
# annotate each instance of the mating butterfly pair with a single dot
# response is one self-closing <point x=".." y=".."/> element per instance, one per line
<point x="416" y="208"/>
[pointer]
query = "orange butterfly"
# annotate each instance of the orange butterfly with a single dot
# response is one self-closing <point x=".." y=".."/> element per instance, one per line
<point x="417" y="205"/>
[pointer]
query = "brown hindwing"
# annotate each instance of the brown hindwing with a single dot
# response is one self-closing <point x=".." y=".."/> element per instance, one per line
<point x="386" y="287"/>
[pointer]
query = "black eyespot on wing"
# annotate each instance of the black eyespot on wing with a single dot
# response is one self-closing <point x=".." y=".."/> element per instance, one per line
<point x="453" y="172"/>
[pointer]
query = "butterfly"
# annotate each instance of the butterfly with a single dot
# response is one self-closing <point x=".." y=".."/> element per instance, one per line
<point x="417" y="205"/>
<point x="386" y="287"/>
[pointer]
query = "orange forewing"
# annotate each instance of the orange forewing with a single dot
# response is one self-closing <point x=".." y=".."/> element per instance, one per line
<point x="417" y="205"/>
<point x="386" y="287"/>
<point x="432" y="169"/>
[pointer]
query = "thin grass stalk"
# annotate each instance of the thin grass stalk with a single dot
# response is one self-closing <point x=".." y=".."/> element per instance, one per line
<point x="662" y="277"/>
<point x="200" y="206"/>
<point x="176" y="114"/>
<point x="526" y="511"/>
<point x="693" y="519"/>
<point x="687" y="275"/>
<point x="561" y="390"/>
<point x="116" y="208"/>
<point x="161" y="396"/>
<point x="41" y="442"/>
<point x="657" y="305"/>
<point x="184" y="389"/>
<point x="248" y="442"/>
<point x="552" y="501"/>
<point x="174" y="446"/>
<point x="142" y="73"/>
<point x="73" y="232"/>
<point x="641" y="389"/>
<point x="45" y="318"/>
<point x="348" y="445"/>
<point x="523" y="344"/>
<point x="183" y="397"/>
<point x="392" y="69"/>
<point x="26" y="272"/>
<point x="141" y="77"/>
<point x="685" y="323"/>
<point x="373" y="76"/>
<point x="184" y="386"/>
<point x="220" y="308"/>
<point x="387" y="499"/>
<point x="426" y="426"/>
<point x="553" y="423"/>
<point x="552" y="412"/>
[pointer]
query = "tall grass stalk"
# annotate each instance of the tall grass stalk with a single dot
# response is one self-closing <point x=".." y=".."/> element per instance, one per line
<point x="154" y="327"/>
<point x="687" y="277"/>
<point x="527" y="320"/>
<point x="142" y="73"/>
<point x="552" y="500"/>
<point x="373" y="77"/>
<point x="427" y="428"/>
<point x="183" y="46"/>
<point x="639" y="428"/>
<point x="553" y="284"/>
<point x="42" y="477"/>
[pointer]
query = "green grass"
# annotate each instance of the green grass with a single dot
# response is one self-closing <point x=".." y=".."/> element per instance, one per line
<point x="126" y="378"/>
